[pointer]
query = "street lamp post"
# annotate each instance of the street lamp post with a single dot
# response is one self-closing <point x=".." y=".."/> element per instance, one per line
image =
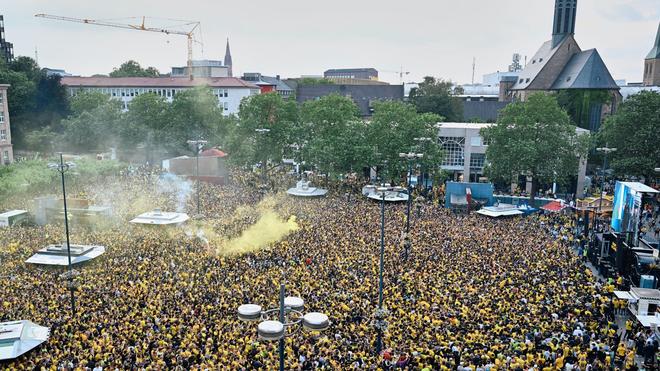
<point x="411" y="157"/>
<point x="277" y="329"/>
<point x="605" y="151"/>
<point x="62" y="168"/>
<point x="263" y="132"/>
<point x="198" y="145"/>
<point x="380" y="323"/>
<point x="421" y="142"/>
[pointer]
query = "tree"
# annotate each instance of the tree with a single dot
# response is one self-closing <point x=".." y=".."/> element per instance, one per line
<point x="146" y="123"/>
<point x="264" y="111"/>
<point x="36" y="101"/>
<point x="194" y="114"/>
<point x="579" y="102"/>
<point x="132" y="68"/>
<point x="534" y="138"/>
<point x="94" y="123"/>
<point x="331" y="135"/>
<point x="393" y="129"/>
<point x="435" y="96"/>
<point x="634" y="131"/>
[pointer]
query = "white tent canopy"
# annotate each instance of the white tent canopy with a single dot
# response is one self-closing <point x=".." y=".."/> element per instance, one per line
<point x="19" y="337"/>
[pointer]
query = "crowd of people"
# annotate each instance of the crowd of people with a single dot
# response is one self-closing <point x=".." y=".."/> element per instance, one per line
<point x="472" y="294"/>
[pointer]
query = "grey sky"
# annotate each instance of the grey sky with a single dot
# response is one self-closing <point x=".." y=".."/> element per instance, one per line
<point x="294" y="37"/>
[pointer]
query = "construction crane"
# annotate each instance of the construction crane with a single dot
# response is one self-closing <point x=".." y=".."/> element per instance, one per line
<point x="139" y="27"/>
<point x="401" y="73"/>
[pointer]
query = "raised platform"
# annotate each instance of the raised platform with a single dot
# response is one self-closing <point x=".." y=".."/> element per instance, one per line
<point x="390" y="196"/>
<point x="58" y="255"/>
<point x="158" y="217"/>
<point x="19" y="337"/>
<point x="303" y="189"/>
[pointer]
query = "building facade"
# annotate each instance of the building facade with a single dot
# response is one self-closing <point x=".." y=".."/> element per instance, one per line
<point x="363" y="95"/>
<point x="6" y="149"/>
<point x="269" y="83"/>
<point x="202" y="69"/>
<point x="6" y="48"/>
<point x="229" y="90"/>
<point x="352" y="73"/>
<point x="652" y="63"/>
<point x="465" y="152"/>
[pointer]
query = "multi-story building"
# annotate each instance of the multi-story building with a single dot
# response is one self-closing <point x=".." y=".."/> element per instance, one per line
<point x="352" y="73"/>
<point x="204" y="69"/>
<point x="465" y="152"/>
<point x="268" y="83"/>
<point x="363" y="95"/>
<point x="228" y="90"/>
<point x="6" y="151"/>
<point x="6" y="48"/>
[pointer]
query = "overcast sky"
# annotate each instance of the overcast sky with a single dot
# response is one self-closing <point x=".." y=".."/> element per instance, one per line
<point x="306" y="37"/>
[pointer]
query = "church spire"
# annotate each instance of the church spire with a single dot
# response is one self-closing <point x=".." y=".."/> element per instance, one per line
<point x="564" y="22"/>
<point x="228" y="59"/>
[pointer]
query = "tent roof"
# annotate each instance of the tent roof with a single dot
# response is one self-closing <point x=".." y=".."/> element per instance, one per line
<point x="553" y="206"/>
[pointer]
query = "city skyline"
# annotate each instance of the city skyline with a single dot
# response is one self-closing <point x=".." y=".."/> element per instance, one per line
<point x="296" y="38"/>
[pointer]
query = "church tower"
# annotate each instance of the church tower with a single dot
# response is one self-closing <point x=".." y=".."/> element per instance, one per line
<point x="652" y="64"/>
<point x="228" y="59"/>
<point x="564" y="23"/>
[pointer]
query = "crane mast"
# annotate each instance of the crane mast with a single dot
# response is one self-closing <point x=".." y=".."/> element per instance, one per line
<point x="138" y="27"/>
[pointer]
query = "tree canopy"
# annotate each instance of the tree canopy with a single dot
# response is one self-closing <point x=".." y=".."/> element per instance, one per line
<point x="132" y="68"/>
<point x="36" y="101"/>
<point x="435" y="96"/>
<point x="534" y="138"/>
<point x="634" y="131"/>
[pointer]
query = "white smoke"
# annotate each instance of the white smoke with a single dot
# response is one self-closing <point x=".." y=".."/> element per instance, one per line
<point x="172" y="184"/>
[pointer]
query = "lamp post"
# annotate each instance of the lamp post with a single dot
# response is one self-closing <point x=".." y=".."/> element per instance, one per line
<point x="605" y="151"/>
<point x="262" y="132"/>
<point x="198" y="145"/>
<point x="277" y="329"/>
<point x="411" y="157"/>
<point x="62" y="168"/>
<point x="421" y="141"/>
<point x="380" y="323"/>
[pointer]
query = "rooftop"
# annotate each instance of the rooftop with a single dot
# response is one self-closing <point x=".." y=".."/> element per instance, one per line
<point x="165" y="82"/>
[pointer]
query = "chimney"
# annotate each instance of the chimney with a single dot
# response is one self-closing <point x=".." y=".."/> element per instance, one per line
<point x="564" y="21"/>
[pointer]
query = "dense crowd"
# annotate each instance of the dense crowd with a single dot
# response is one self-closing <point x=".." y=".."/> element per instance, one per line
<point x="474" y="293"/>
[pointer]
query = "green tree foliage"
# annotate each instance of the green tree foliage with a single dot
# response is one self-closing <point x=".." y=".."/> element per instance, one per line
<point x="306" y="81"/>
<point x="393" y="129"/>
<point x="435" y="96"/>
<point x="34" y="175"/>
<point x="331" y="135"/>
<point x="535" y="138"/>
<point x="263" y="111"/>
<point x="94" y="123"/>
<point x="132" y="68"/>
<point x="194" y="114"/>
<point x="634" y="131"/>
<point x="578" y="103"/>
<point x="146" y="124"/>
<point x="36" y="101"/>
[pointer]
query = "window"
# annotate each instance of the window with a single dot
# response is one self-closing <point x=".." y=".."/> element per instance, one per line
<point x="226" y="106"/>
<point x="475" y="141"/>
<point x="521" y="81"/>
<point x="540" y="60"/>
<point x="527" y="79"/>
<point x="226" y="93"/>
<point x="2" y="117"/>
<point x="3" y="134"/>
<point x="533" y="61"/>
<point x="477" y="161"/>
<point x="5" y="157"/>
<point x="453" y="148"/>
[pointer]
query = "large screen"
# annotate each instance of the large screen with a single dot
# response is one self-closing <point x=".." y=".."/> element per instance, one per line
<point x="627" y="209"/>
